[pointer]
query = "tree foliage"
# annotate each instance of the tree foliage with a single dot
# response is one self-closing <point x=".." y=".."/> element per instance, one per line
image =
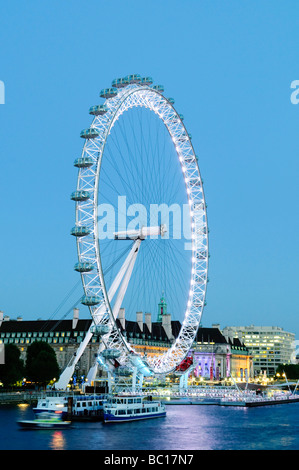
<point x="13" y="369"/>
<point x="291" y="370"/>
<point x="41" y="363"/>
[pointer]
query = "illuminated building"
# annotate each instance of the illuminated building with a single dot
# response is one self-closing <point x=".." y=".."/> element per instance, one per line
<point x="268" y="345"/>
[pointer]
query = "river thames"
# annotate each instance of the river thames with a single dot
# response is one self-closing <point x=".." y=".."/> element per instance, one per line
<point x="186" y="427"/>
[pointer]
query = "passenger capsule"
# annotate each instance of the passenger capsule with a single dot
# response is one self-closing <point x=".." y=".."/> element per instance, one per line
<point x="90" y="133"/>
<point x="108" y="93"/>
<point x="83" y="162"/>
<point x="159" y="88"/>
<point x="80" y="231"/>
<point x="111" y="353"/>
<point x="171" y="100"/>
<point x="100" y="329"/>
<point x="98" y="110"/>
<point x="90" y="300"/>
<point x="120" y="82"/>
<point x="146" y="81"/>
<point x="133" y="78"/>
<point x="84" y="267"/>
<point x="80" y="195"/>
<point x="181" y="116"/>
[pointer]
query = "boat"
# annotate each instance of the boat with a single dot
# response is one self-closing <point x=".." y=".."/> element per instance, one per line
<point x="74" y="407"/>
<point x="45" y="421"/>
<point x="122" y="408"/>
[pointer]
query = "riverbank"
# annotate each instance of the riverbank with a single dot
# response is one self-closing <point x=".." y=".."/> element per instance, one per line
<point x="10" y="398"/>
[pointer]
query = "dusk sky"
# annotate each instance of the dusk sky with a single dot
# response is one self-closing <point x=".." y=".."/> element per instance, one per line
<point x="229" y="66"/>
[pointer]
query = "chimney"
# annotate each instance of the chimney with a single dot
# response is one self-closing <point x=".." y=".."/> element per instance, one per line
<point x="139" y="319"/>
<point x="75" y="318"/>
<point x="228" y="334"/>
<point x="166" y="323"/>
<point x="148" y="321"/>
<point x="240" y="336"/>
<point x="6" y="318"/>
<point x="122" y="318"/>
<point x="19" y="318"/>
<point x="1" y="317"/>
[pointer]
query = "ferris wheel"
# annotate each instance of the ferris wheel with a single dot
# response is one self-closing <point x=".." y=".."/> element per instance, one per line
<point x="137" y="152"/>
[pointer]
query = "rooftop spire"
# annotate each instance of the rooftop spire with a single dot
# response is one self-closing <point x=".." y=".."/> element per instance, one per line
<point x="162" y="308"/>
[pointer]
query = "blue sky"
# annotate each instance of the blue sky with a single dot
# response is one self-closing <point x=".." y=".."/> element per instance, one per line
<point x="229" y="66"/>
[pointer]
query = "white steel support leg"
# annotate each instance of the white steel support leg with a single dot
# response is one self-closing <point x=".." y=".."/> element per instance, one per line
<point x="184" y="382"/>
<point x="92" y="373"/>
<point x="134" y="377"/>
<point x="124" y="285"/>
<point x="126" y="271"/>
<point x="109" y="381"/>
<point x="66" y="375"/>
<point x="140" y="382"/>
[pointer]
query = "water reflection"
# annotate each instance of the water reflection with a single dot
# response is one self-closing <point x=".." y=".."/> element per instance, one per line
<point x="192" y="427"/>
<point x="23" y="409"/>
<point x="58" y="441"/>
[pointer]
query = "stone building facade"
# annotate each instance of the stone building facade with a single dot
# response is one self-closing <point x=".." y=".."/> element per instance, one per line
<point x="215" y="356"/>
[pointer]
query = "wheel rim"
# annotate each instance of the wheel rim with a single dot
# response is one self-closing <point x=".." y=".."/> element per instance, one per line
<point x="96" y="297"/>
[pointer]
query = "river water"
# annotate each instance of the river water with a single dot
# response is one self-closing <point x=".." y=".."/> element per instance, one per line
<point x="186" y="427"/>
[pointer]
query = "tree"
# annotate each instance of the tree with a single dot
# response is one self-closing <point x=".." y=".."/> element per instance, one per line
<point x="13" y="369"/>
<point x="291" y="371"/>
<point x="41" y="363"/>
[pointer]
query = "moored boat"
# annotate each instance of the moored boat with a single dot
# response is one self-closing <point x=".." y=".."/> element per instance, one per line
<point x="123" y="408"/>
<point x="73" y="407"/>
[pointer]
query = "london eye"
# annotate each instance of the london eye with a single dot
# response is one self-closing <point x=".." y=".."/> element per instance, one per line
<point x="141" y="221"/>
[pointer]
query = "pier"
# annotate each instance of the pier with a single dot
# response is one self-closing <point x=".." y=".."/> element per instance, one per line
<point x="228" y="397"/>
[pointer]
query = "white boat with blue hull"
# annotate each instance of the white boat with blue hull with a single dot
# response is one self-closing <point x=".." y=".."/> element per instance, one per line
<point x="124" y="408"/>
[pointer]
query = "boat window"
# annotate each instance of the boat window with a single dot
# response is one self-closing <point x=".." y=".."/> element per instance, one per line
<point x="130" y="400"/>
